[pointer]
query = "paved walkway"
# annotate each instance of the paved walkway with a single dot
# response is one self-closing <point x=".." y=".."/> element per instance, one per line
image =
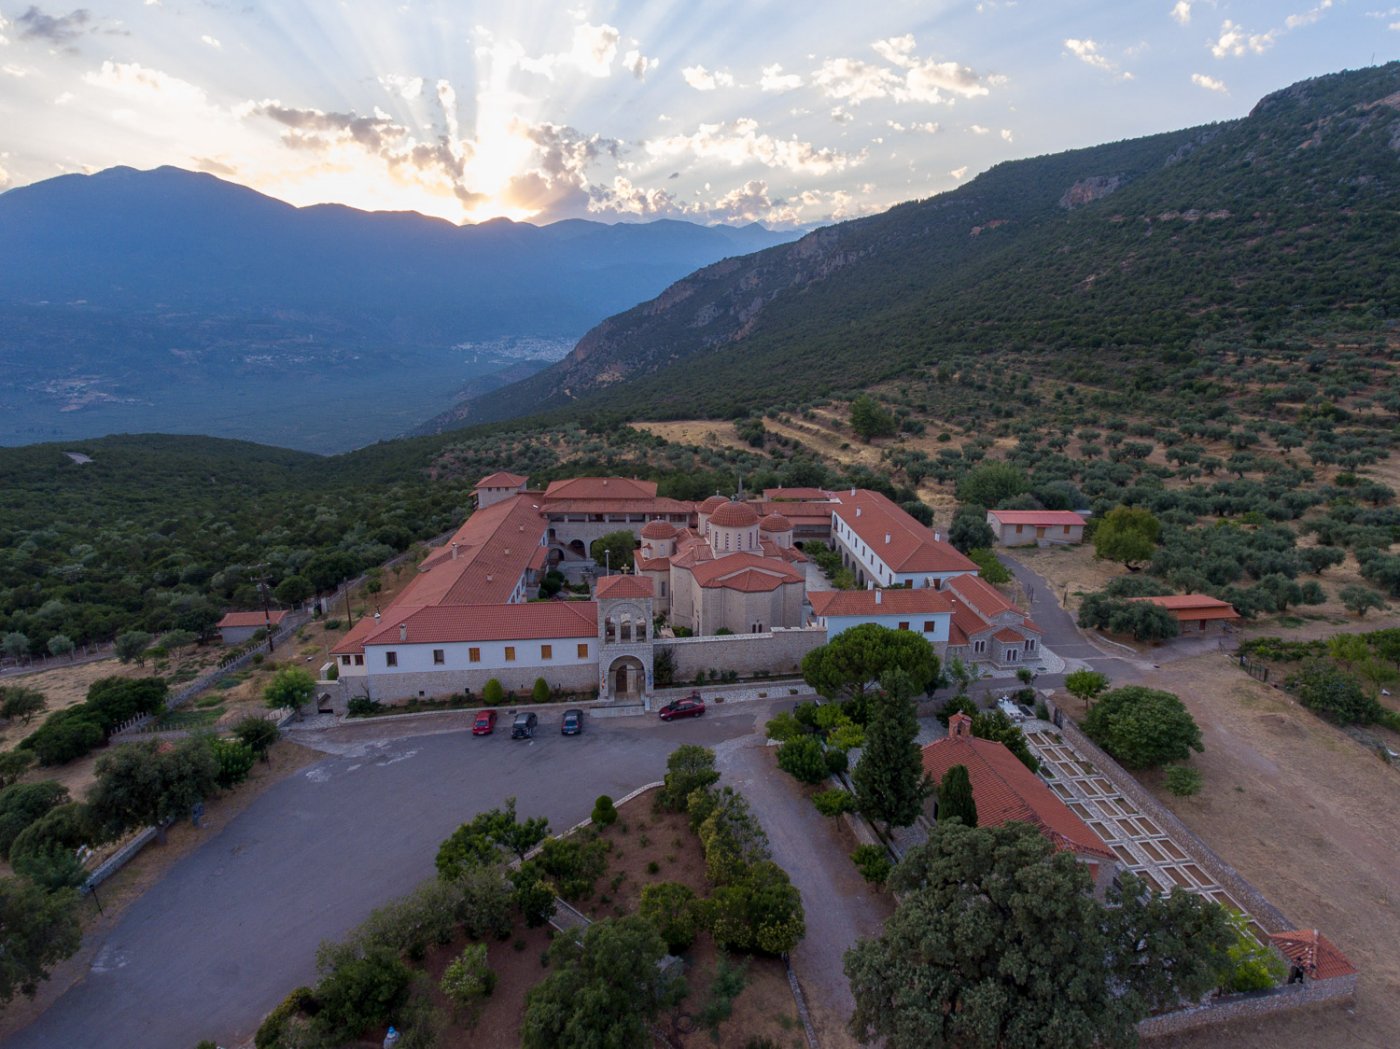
<point x="840" y="907"/>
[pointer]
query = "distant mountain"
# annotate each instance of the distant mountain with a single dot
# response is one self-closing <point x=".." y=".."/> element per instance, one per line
<point x="170" y="300"/>
<point x="1092" y="263"/>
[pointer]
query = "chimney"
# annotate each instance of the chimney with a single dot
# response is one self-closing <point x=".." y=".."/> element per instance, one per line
<point x="887" y="537"/>
<point x="454" y="551"/>
<point x="853" y="493"/>
<point x="879" y="595"/>
<point x="857" y="511"/>
<point x="959" y="725"/>
<point x="937" y="537"/>
<point x="403" y="631"/>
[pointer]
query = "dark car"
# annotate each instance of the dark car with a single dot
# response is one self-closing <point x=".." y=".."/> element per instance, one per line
<point x="485" y="723"/>
<point x="572" y="724"/>
<point x="690" y="707"/>
<point x="523" y="727"/>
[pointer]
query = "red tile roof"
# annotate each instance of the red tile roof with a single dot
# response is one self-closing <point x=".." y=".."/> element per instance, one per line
<point x="734" y="515"/>
<point x="1008" y="636"/>
<point x="775" y="523"/>
<point x="984" y="598"/>
<point x="614" y="586"/>
<point x="796" y="494"/>
<point x="1193" y="607"/>
<point x="537" y="620"/>
<point x="501" y="479"/>
<point x="253" y="619"/>
<point x="910" y="547"/>
<point x="808" y="515"/>
<point x="1315" y="953"/>
<point x="646" y="505"/>
<point x="746" y="572"/>
<point x="659" y="530"/>
<point x="494" y="548"/>
<point x="1038" y="517"/>
<point x="919" y="601"/>
<point x="1006" y="790"/>
<point x="600" y="488"/>
<point x="711" y="503"/>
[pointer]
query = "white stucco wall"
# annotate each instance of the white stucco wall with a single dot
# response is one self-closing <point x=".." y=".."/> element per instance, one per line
<point x="916" y="620"/>
<point x="457" y="655"/>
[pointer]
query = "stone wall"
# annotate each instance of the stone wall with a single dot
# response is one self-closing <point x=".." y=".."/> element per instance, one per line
<point x="1251" y="1006"/>
<point x="777" y="652"/>
<point x="387" y="688"/>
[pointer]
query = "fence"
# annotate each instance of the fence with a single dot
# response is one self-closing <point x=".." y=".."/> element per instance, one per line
<point x="80" y="654"/>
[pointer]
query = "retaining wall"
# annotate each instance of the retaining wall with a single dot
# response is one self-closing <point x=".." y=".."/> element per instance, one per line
<point x="778" y="652"/>
<point x="1292" y="996"/>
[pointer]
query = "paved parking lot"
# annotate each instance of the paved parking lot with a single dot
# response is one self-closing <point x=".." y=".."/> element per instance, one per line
<point x="235" y="926"/>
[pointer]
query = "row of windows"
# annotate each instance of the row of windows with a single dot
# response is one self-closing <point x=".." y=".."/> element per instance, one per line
<point x="929" y="626"/>
<point x="391" y="658"/>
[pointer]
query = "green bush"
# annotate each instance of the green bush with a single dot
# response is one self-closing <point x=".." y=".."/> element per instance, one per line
<point x="409" y="925"/>
<point x="468" y="978"/>
<point x="257" y="733"/>
<point x="761" y="911"/>
<point x="836" y="761"/>
<point x="274" y="1028"/>
<point x="1183" y="780"/>
<point x="803" y="759"/>
<point x="22" y="804"/>
<point x="689" y="768"/>
<point x="873" y="862"/>
<point x="540" y="692"/>
<point x="362" y="707"/>
<point x="834" y="802"/>
<point x="357" y="991"/>
<point x="574" y="863"/>
<point x="784" y="727"/>
<point x="493" y="693"/>
<point x="235" y="761"/>
<point x="988" y="567"/>
<point x="604" y="812"/>
<point x="1327" y="690"/>
<point x="65" y="735"/>
<point x="674" y="911"/>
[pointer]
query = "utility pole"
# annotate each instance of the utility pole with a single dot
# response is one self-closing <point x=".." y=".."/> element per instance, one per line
<point x="267" y="613"/>
<point x="349" y="616"/>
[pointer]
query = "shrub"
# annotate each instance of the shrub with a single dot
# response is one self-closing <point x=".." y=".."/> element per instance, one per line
<point x="358" y="990"/>
<point x="485" y="901"/>
<point x="1251" y="966"/>
<point x="65" y="735"/>
<point x="836" y="761"/>
<point x="689" y="768"/>
<point x="275" y="1025"/>
<point x="257" y="733"/>
<point x="762" y="911"/>
<point x="235" y="761"/>
<point x="113" y="700"/>
<point x="873" y="862"/>
<point x="834" y="802"/>
<point x="784" y="727"/>
<point x="674" y="911"/>
<point x="1143" y="727"/>
<point x="574" y="863"/>
<point x="540" y="692"/>
<point x="22" y="804"/>
<point x="468" y="978"/>
<point x="803" y="759"/>
<point x="363" y="707"/>
<point x="1183" y="781"/>
<point x="493" y="693"/>
<point x="988" y="567"/>
<point x="20" y="702"/>
<point x="1327" y="690"/>
<point x="410" y="924"/>
<point x="604" y="812"/>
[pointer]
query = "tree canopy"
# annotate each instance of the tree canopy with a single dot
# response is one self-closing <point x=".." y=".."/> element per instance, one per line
<point x="998" y="943"/>
<point x="1143" y="727"/>
<point x="955" y="800"/>
<point x="150" y="784"/>
<point x="614" y="550"/>
<point x="38" y="930"/>
<point x="290" y="687"/>
<point x="889" y="780"/>
<point x="871" y="419"/>
<point x="849" y="662"/>
<point x="482" y="841"/>
<point x="1128" y="535"/>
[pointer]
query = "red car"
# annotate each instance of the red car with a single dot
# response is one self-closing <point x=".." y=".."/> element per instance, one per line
<point x="485" y="723"/>
<point x="690" y="707"/>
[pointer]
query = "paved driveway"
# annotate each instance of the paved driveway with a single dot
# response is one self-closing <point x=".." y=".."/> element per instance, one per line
<point x="839" y="906"/>
<point x="235" y="926"/>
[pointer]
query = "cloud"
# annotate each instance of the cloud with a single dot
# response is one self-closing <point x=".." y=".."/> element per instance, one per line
<point x="978" y="129"/>
<point x="592" y="51"/>
<point x="1307" y="17"/>
<point x="1088" y="52"/>
<point x="1006" y="135"/>
<point x="211" y="42"/>
<point x="139" y="82"/>
<point x="56" y="29"/>
<point x="740" y="142"/>
<point x="4" y="177"/>
<point x="927" y="127"/>
<point x="1234" y="40"/>
<point x="638" y="64"/>
<point x="703" y="79"/>
<point x="1182" y="12"/>
<point x="959" y="173"/>
<point x="907" y="77"/>
<point x="1209" y="83"/>
<point x="406" y="87"/>
<point x="774" y="79"/>
<point x="3" y="26"/>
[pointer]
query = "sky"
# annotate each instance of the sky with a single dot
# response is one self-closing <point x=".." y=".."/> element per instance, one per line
<point x="787" y="113"/>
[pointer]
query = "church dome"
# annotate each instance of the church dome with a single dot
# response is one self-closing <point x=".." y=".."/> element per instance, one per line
<point x="712" y="504"/>
<point x="734" y="515"/>
<point x="775" y="523"/>
<point x="658" y="530"/>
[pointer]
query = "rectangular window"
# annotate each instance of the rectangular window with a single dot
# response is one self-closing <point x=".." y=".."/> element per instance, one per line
<point x="474" y="655"/>
<point x="546" y="651"/>
<point x="928" y="626"/>
<point x="903" y="626"/>
<point x="583" y="651"/>
<point x="439" y="657"/>
<point x="345" y="661"/>
<point x="359" y="659"/>
<point x="510" y="653"/>
<point x="391" y="659"/>
<point x="1020" y="529"/>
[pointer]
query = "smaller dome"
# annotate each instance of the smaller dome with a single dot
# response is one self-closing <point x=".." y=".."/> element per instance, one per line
<point x="712" y="504"/>
<point x="775" y="523"/>
<point x="658" y="530"/>
<point x="734" y="515"/>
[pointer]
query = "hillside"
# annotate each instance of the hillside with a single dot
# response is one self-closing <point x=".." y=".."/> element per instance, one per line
<point x="174" y="301"/>
<point x="1092" y="264"/>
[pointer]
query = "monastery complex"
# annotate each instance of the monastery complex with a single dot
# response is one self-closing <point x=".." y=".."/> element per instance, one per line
<point x="718" y="585"/>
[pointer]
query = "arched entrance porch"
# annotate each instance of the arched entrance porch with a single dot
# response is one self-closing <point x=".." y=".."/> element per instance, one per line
<point x="626" y="678"/>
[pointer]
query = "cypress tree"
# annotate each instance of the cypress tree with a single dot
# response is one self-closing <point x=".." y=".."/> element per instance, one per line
<point x="955" y="797"/>
<point x="890" y="781"/>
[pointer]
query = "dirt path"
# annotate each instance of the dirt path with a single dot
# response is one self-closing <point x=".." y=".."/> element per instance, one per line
<point x="840" y="907"/>
<point x="1312" y="819"/>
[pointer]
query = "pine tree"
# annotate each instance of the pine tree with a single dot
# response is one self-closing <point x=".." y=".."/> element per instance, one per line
<point x="955" y="797"/>
<point x="890" y="781"/>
